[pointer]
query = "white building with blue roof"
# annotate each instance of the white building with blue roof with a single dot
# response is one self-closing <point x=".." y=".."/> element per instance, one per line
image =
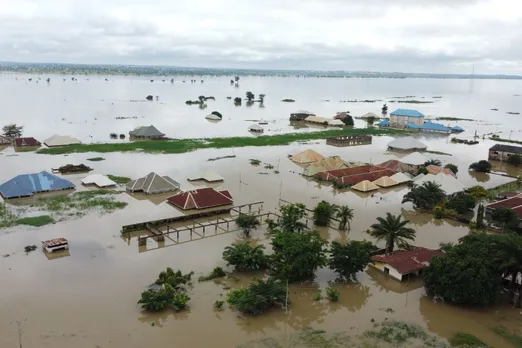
<point x="401" y="117"/>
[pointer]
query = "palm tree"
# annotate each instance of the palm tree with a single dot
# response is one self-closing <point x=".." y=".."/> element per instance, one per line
<point x="509" y="255"/>
<point x="393" y="230"/>
<point x="345" y="214"/>
<point x="247" y="222"/>
<point x="433" y="162"/>
<point x="425" y="196"/>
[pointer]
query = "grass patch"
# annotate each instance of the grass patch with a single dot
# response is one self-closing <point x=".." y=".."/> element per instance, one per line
<point x="96" y="159"/>
<point x="512" y="338"/>
<point x="502" y="140"/>
<point x="36" y="221"/>
<point x="439" y="153"/>
<point x="453" y="119"/>
<point x="220" y="158"/>
<point x="7" y="218"/>
<point x="187" y="145"/>
<point x="119" y="179"/>
<point x="82" y="201"/>
<point x="461" y="339"/>
<point x="401" y="334"/>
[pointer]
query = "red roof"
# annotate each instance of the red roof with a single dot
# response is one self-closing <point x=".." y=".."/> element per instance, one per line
<point x="437" y="169"/>
<point x="355" y="179"/>
<point x="19" y="142"/>
<point x="506" y="203"/>
<point x="407" y="261"/>
<point x="391" y="164"/>
<point x="201" y="199"/>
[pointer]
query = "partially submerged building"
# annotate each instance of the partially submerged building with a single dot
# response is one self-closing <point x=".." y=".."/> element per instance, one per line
<point x="255" y="128"/>
<point x="61" y="140"/>
<point x="448" y="183"/>
<point x="511" y="203"/>
<point x="432" y="169"/>
<point x="365" y="186"/>
<point x="202" y="198"/>
<point x="26" y="142"/>
<point x="324" y="121"/>
<point x="26" y="185"/>
<point x="385" y="181"/>
<point x="56" y="244"/>
<point x="307" y="156"/>
<point x="153" y="184"/>
<point x="400" y="117"/>
<point x="402" y="264"/>
<point x="501" y="152"/>
<point x="146" y="132"/>
<point x="4" y="140"/>
<point x="208" y="176"/>
<point x="98" y="180"/>
<point x="326" y="164"/>
<point x="406" y="144"/>
<point x="300" y="115"/>
<point x="434" y="127"/>
<point x="414" y="160"/>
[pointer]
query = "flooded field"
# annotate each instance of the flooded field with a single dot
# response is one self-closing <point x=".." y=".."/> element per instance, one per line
<point x="88" y="298"/>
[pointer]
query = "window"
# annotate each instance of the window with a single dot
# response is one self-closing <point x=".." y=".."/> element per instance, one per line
<point x="386" y="270"/>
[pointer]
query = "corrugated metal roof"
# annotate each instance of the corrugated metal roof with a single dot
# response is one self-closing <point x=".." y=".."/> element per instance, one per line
<point x="506" y="148"/>
<point x="201" y="199"/>
<point x="415" y="159"/>
<point x="411" y="125"/>
<point x="457" y="129"/>
<point x="407" y="112"/>
<point x="435" y="126"/>
<point x="408" y="261"/>
<point x="27" y="142"/>
<point x="385" y="122"/>
<point x="407" y="143"/>
<point x="27" y="184"/>
<point x="146" y="131"/>
<point x="153" y="183"/>
<point x="61" y="140"/>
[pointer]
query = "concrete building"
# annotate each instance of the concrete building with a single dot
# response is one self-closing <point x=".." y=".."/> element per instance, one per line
<point x="501" y="152"/>
<point x="400" y="117"/>
<point x="402" y="264"/>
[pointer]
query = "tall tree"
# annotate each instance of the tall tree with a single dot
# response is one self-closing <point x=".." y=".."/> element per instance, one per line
<point x="245" y="258"/>
<point x="323" y="213"/>
<point x="345" y="214"/>
<point x="392" y="229"/>
<point x="291" y="216"/>
<point x="297" y="255"/>
<point x="370" y="120"/>
<point x="480" y="216"/>
<point x="247" y="222"/>
<point x="508" y="252"/>
<point x="506" y="218"/>
<point x="462" y="203"/>
<point x="12" y="130"/>
<point x="425" y="196"/>
<point x="482" y="166"/>
<point x="347" y="260"/>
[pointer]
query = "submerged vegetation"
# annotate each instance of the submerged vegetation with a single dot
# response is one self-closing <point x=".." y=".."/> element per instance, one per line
<point x="36" y="221"/>
<point x="503" y="140"/>
<point x="187" y="145"/>
<point x="122" y="180"/>
<point x="96" y="159"/>
<point x="9" y="219"/>
<point x="169" y="291"/>
<point x="453" y="119"/>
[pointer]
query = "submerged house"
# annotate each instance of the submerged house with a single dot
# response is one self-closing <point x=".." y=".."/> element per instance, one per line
<point x="501" y="152"/>
<point x="307" y="156"/>
<point x="402" y="264"/>
<point x="434" y="127"/>
<point x="146" y="132"/>
<point x="400" y="117"/>
<point x="26" y="142"/>
<point x="512" y="203"/>
<point x="201" y="199"/>
<point x="448" y="183"/>
<point x="414" y="161"/>
<point x="406" y="144"/>
<point x="152" y="184"/>
<point x="208" y="176"/>
<point x="26" y="185"/>
<point x="300" y="115"/>
<point x="457" y="129"/>
<point x="98" y="180"/>
<point x="384" y="123"/>
<point x="255" y="128"/>
<point x="61" y="140"/>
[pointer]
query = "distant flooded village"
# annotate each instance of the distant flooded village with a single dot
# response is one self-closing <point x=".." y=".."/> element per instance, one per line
<point x="268" y="210"/>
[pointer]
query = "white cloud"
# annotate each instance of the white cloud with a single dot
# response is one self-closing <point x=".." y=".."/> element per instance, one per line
<point x="403" y="35"/>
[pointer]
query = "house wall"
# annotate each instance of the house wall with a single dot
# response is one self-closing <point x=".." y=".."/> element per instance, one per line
<point x="392" y="271"/>
<point x="499" y="155"/>
<point x="400" y="120"/>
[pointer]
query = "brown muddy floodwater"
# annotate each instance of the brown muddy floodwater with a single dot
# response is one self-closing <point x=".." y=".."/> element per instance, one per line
<point x="88" y="298"/>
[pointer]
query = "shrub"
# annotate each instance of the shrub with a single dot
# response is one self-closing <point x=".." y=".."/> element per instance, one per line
<point x="258" y="297"/>
<point x="218" y="305"/>
<point x="482" y="166"/>
<point x="245" y="258"/>
<point x="332" y="294"/>
<point x="217" y="272"/>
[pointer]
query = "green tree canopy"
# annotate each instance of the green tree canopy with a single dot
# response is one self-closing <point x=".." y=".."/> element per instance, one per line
<point x="370" y="119"/>
<point x="169" y="291"/>
<point x="297" y="255"/>
<point x="452" y="167"/>
<point x="462" y="203"/>
<point x="479" y="192"/>
<point x="392" y="229"/>
<point x="348" y="120"/>
<point x="245" y="258"/>
<point x="323" y="213"/>
<point x="12" y="130"/>
<point x="505" y="218"/>
<point x="425" y="196"/>
<point x="468" y="273"/>
<point x="347" y="260"/>
<point x="433" y="162"/>
<point x="291" y="216"/>
<point x="482" y="166"/>
<point x="258" y="297"/>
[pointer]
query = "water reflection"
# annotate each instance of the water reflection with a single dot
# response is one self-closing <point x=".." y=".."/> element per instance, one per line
<point x="385" y="283"/>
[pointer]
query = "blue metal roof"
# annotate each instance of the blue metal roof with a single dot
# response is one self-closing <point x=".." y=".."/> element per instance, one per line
<point x="457" y="129"/>
<point x="407" y="112"/>
<point x="411" y="125"/>
<point x="384" y="122"/>
<point x="26" y="184"/>
<point x="434" y="126"/>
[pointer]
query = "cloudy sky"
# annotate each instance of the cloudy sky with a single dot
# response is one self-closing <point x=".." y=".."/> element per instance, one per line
<point x="444" y="36"/>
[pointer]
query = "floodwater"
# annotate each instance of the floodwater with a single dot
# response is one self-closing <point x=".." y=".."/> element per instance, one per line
<point x="88" y="297"/>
